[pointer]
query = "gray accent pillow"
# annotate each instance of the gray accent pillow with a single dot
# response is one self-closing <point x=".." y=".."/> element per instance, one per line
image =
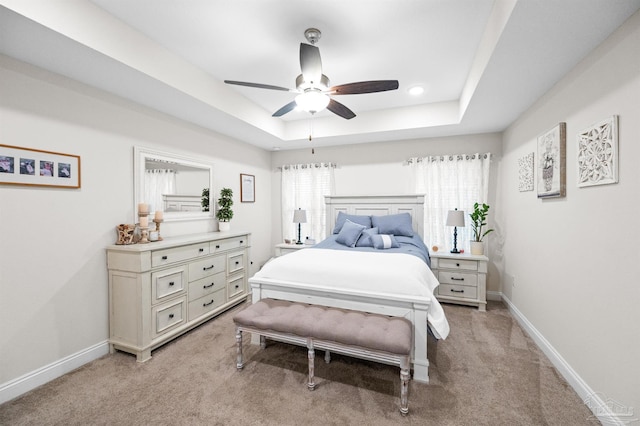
<point x="355" y="218"/>
<point x="396" y="224"/>
<point x="384" y="241"/>
<point x="349" y="233"/>
<point x="365" y="237"/>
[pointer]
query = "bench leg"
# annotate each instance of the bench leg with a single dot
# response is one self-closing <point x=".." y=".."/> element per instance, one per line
<point x="327" y="357"/>
<point x="239" y="363"/>
<point x="263" y="342"/>
<point x="404" y="387"/>
<point x="311" y="354"/>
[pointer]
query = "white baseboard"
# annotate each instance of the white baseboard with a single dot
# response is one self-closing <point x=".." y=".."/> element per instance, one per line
<point x="32" y="380"/>
<point x="607" y="411"/>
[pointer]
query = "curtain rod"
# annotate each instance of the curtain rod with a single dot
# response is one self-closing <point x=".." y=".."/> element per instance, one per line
<point x="446" y="157"/>
<point x="306" y="166"/>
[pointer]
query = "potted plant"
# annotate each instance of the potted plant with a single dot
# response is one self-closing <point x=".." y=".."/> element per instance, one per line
<point x="478" y="221"/>
<point x="205" y="200"/>
<point x="224" y="213"/>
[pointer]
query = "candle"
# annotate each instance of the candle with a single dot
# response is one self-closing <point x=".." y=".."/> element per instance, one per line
<point x="143" y="208"/>
<point x="144" y="222"/>
<point x="158" y="215"/>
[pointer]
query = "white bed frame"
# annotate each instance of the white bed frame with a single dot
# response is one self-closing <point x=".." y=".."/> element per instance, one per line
<point x="415" y="309"/>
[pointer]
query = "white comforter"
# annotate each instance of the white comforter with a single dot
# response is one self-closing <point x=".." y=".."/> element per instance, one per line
<point x="390" y="273"/>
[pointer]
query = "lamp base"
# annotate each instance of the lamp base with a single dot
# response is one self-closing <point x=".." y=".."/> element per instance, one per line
<point x="455" y="251"/>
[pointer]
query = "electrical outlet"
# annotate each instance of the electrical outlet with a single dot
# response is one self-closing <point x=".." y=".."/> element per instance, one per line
<point x="510" y="280"/>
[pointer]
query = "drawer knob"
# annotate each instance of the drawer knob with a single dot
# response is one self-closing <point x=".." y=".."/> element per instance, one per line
<point x="237" y="286"/>
<point x="171" y="284"/>
<point x="200" y="250"/>
<point x="456" y="291"/>
<point x="207" y="268"/>
<point x="208" y="286"/>
<point x="207" y="304"/>
<point x="241" y="241"/>
<point x="170" y="316"/>
<point x="458" y="265"/>
<point x="457" y="279"/>
<point x="237" y="262"/>
<point x="164" y="257"/>
<point x="217" y="246"/>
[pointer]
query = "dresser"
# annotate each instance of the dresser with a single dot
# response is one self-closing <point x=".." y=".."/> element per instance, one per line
<point x="462" y="278"/>
<point x="160" y="290"/>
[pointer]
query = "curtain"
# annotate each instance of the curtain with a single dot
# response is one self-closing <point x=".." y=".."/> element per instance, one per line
<point x="449" y="182"/>
<point x="304" y="187"/>
<point x="156" y="183"/>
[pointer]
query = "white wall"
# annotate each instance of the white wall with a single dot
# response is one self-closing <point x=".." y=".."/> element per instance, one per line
<point x="569" y="265"/>
<point x="378" y="169"/>
<point x="53" y="276"/>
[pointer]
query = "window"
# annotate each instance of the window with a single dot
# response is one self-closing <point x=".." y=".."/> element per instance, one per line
<point x="449" y="182"/>
<point x="304" y="186"/>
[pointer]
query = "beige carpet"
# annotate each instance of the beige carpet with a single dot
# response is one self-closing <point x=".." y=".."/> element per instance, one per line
<point x="487" y="372"/>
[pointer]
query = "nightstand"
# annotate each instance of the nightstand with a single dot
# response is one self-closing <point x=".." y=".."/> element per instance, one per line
<point x="284" y="248"/>
<point x="462" y="278"/>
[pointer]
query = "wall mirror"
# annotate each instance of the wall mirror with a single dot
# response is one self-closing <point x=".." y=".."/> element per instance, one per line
<point x="172" y="184"/>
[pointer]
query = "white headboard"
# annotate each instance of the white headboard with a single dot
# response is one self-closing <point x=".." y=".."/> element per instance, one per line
<point x="377" y="205"/>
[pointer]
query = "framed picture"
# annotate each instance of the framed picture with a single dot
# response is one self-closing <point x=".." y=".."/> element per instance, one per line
<point x="247" y="188"/>
<point x="26" y="166"/>
<point x="598" y="153"/>
<point x="552" y="175"/>
<point x="525" y="173"/>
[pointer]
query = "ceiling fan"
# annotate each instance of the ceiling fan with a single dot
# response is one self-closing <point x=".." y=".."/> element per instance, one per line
<point x="314" y="92"/>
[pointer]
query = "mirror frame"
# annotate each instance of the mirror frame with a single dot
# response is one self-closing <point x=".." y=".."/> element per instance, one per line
<point x="141" y="154"/>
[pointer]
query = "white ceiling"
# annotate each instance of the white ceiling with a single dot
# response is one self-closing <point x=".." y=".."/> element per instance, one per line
<point x="481" y="62"/>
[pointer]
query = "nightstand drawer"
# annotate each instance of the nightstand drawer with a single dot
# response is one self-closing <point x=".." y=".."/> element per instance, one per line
<point x="457" y="278"/>
<point x="458" y="291"/>
<point x="467" y="265"/>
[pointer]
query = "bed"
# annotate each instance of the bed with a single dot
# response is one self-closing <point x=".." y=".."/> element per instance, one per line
<point x="389" y="281"/>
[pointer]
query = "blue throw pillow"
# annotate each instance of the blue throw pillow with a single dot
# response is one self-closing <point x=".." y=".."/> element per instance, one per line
<point x="349" y="233"/>
<point x="355" y="218"/>
<point x="365" y="237"/>
<point x="396" y="224"/>
<point x="383" y="241"/>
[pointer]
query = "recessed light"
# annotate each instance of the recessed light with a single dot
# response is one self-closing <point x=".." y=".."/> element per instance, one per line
<point x="416" y="90"/>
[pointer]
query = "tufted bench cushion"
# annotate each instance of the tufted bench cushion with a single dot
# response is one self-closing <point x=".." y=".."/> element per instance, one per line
<point x="355" y="328"/>
<point x="370" y="336"/>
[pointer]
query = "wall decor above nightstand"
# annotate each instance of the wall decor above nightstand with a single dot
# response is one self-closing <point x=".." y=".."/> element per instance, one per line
<point x="462" y="278"/>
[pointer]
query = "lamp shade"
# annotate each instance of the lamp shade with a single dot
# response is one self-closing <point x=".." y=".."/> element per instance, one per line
<point x="455" y="218"/>
<point x="299" y="216"/>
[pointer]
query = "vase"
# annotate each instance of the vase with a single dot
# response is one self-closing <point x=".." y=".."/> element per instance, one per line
<point x="224" y="226"/>
<point x="477" y="247"/>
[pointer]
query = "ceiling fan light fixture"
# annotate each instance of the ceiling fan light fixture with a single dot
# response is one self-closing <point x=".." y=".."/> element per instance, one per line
<point x="416" y="90"/>
<point x="312" y="101"/>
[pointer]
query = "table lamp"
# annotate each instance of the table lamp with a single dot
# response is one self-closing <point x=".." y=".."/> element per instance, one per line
<point x="455" y="218"/>
<point x="299" y="216"/>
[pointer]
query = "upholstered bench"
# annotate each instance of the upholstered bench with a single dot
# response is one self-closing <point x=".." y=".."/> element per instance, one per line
<point x="359" y="334"/>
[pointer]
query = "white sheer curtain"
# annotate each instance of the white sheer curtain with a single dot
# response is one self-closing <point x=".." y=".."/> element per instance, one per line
<point x="156" y="183"/>
<point x="449" y="182"/>
<point x="304" y="186"/>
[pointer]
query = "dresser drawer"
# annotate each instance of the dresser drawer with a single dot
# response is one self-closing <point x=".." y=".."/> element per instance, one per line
<point x="457" y="278"/>
<point x="467" y="265"/>
<point x="459" y="291"/>
<point x="236" y="262"/>
<point x="169" y="315"/>
<point x="235" y="286"/>
<point x="179" y="254"/>
<point x="207" y="303"/>
<point x="206" y="267"/>
<point x="206" y="285"/>
<point x="167" y="283"/>
<point x="228" y="244"/>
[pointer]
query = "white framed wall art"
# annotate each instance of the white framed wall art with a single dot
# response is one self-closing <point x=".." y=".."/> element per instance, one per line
<point x="597" y="153"/>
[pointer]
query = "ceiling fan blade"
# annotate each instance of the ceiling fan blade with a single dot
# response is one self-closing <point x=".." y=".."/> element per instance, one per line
<point x="285" y="109"/>
<point x="339" y="109"/>
<point x="310" y="63"/>
<point x="258" y="85"/>
<point x="364" y="87"/>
